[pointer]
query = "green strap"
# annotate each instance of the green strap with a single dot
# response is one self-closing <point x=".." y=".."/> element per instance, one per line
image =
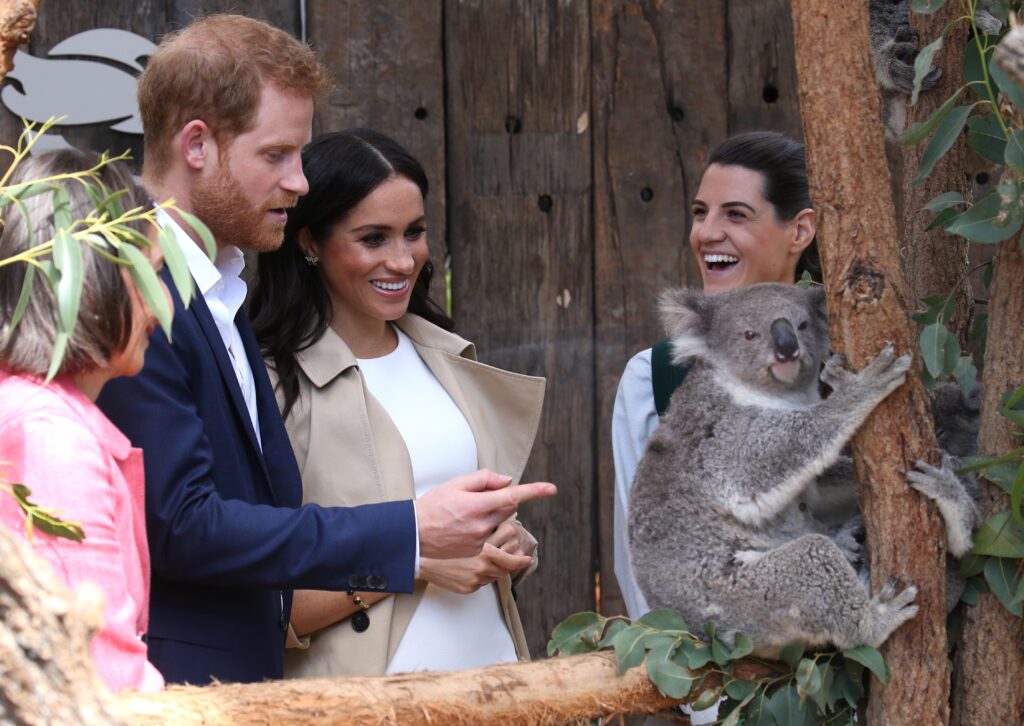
<point x="666" y="376"/>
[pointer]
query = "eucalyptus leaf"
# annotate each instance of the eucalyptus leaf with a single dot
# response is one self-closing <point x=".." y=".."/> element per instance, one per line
<point x="671" y="679"/>
<point x="974" y="65"/>
<point x="920" y="130"/>
<point x="1013" y="154"/>
<point x="923" y="64"/>
<point x="791" y="654"/>
<point x="978" y="223"/>
<point x="944" y="218"/>
<point x="933" y="342"/>
<point x="706" y="699"/>
<point x="849" y="685"/>
<point x="202" y="230"/>
<point x="62" y="209"/>
<point x="567" y="633"/>
<point x="67" y="259"/>
<point x="739" y="690"/>
<point x="788" y="708"/>
<point x="870" y="659"/>
<point x="719" y="653"/>
<point x="60" y="344"/>
<point x="1016" y="495"/>
<point x="1006" y="85"/>
<point x="26" y="290"/>
<point x="987" y="138"/>
<point x="808" y="678"/>
<point x="611" y="630"/>
<point x="966" y="374"/>
<point x="999" y="536"/>
<point x="826" y="697"/>
<point x="153" y="290"/>
<point x="665" y="620"/>
<point x="1003" y="576"/>
<point x="44" y="519"/>
<point x="629" y="647"/>
<point x="693" y="654"/>
<point x="944" y="137"/>
<point x="174" y="258"/>
<point x="944" y="201"/>
<point x="743" y="646"/>
<point x="926" y="7"/>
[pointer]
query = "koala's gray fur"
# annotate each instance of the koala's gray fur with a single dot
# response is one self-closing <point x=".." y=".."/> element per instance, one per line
<point x="893" y="51"/>
<point x="718" y="528"/>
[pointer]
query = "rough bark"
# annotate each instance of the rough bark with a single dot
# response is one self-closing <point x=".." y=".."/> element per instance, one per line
<point x="989" y="673"/>
<point x="44" y="637"/>
<point x="936" y="262"/>
<point x="17" y="21"/>
<point x="868" y="304"/>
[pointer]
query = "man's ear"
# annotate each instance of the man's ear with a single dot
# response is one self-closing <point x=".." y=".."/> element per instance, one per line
<point x="805" y="226"/>
<point x="197" y="146"/>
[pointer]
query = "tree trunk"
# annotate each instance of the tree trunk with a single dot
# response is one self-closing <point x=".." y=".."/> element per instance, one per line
<point x="868" y="304"/>
<point x="936" y="262"/>
<point x="989" y="674"/>
<point x="551" y="691"/>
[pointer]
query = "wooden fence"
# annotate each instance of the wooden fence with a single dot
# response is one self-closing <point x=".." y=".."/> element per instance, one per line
<point x="564" y="140"/>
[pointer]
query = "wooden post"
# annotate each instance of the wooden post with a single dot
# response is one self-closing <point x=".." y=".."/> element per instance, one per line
<point x="519" y="204"/>
<point x="867" y="297"/>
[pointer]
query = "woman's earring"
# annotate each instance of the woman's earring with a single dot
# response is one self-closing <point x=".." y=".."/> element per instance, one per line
<point x="312" y="260"/>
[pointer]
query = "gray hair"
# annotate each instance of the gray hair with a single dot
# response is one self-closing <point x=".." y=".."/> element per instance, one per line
<point x="105" y="313"/>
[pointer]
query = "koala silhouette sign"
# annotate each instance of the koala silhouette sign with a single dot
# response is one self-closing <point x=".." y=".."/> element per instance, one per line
<point x="720" y="524"/>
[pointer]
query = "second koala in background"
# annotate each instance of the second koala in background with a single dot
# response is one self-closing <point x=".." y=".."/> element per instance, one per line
<point x="718" y="526"/>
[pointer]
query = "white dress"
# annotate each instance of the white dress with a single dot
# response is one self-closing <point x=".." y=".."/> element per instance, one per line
<point x="448" y="631"/>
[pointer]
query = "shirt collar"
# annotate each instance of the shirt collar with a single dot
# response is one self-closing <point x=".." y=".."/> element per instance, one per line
<point x="226" y="268"/>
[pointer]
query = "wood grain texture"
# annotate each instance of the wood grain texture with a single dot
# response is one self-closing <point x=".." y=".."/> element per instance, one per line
<point x="868" y="305"/>
<point x="519" y="201"/>
<point x="387" y="60"/>
<point x="658" y="74"/>
<point x="762" y="81"/>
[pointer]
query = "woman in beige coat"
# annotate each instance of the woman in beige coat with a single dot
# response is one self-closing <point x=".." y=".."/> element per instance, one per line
<point x="383" y="402"/>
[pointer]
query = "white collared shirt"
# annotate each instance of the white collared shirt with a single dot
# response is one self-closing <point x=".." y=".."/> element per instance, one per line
<point x="221" y="285"/>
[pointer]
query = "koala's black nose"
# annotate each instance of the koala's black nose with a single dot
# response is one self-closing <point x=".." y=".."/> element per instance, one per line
<point x="784" y="340"/>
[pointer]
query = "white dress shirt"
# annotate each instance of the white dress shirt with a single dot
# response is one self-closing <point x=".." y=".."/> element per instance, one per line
<point x="221" y="285"/>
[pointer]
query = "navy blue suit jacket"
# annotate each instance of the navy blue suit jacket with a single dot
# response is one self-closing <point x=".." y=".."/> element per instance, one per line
<point x="228" y="538"/>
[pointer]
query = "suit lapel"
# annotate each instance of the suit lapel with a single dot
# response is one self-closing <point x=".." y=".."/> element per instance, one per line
<point x="199" y="309"/>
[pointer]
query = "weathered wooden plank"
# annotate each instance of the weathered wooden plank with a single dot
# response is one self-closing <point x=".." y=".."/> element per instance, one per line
<point x="658" y="74"/>
<point x="762" y="71"/>
<point x="59" y="20"/>
<point x="387" y="60"/>
<point x="518" y="77"/>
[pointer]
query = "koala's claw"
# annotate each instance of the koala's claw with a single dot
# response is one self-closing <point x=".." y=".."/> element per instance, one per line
<point x="835" y="372"/>
<point x="955" y="501"/>
<point x="888" y="610"/>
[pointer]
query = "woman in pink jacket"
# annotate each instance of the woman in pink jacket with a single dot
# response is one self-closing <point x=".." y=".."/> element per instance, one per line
<point x="54" y="439"/>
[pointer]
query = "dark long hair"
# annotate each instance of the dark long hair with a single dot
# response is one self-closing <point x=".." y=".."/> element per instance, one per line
<point x="782" y="162"/>
<point x="290" y="307"/>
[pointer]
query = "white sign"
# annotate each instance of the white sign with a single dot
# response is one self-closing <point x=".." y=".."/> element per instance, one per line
<point x="96" y="86"/>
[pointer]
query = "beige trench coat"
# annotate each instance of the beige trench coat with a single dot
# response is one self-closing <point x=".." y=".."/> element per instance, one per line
<point x="350" y="453"/>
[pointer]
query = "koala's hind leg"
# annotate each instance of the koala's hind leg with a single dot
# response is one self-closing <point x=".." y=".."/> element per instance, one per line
<point x="806" y="591"/>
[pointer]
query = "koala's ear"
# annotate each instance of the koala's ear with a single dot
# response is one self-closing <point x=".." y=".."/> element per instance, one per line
<point x="816" y="301"/>
<point x="686" y="317"/>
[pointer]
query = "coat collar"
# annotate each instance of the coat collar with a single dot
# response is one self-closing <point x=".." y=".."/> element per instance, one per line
<point x="329" y="357"/>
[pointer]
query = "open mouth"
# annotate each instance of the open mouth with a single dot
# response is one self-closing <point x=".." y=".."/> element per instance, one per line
<point x="719" y="262"/>
<point x="785" y="372"/>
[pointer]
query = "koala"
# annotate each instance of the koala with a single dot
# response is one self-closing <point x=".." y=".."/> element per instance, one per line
<point x="893" y="51"/>
<point x="718" y="526"/>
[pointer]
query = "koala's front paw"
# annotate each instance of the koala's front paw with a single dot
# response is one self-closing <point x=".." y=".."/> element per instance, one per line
<point x="835" y="374"/>
<point x="957" y="506"/>
<point x="887" y="611"/>
<point x="886" y="372"/>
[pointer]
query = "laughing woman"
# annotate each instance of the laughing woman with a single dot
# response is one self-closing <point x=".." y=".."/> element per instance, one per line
<point x="753" y="222"/>
<point x="383" y="402"/>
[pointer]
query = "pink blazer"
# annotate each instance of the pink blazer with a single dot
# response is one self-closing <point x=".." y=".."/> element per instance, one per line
<point x="60" y="445"/>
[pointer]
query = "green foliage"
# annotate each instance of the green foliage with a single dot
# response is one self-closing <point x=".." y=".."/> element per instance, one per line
<point x="805" y="688"/>
<point x="37" y="517"/>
